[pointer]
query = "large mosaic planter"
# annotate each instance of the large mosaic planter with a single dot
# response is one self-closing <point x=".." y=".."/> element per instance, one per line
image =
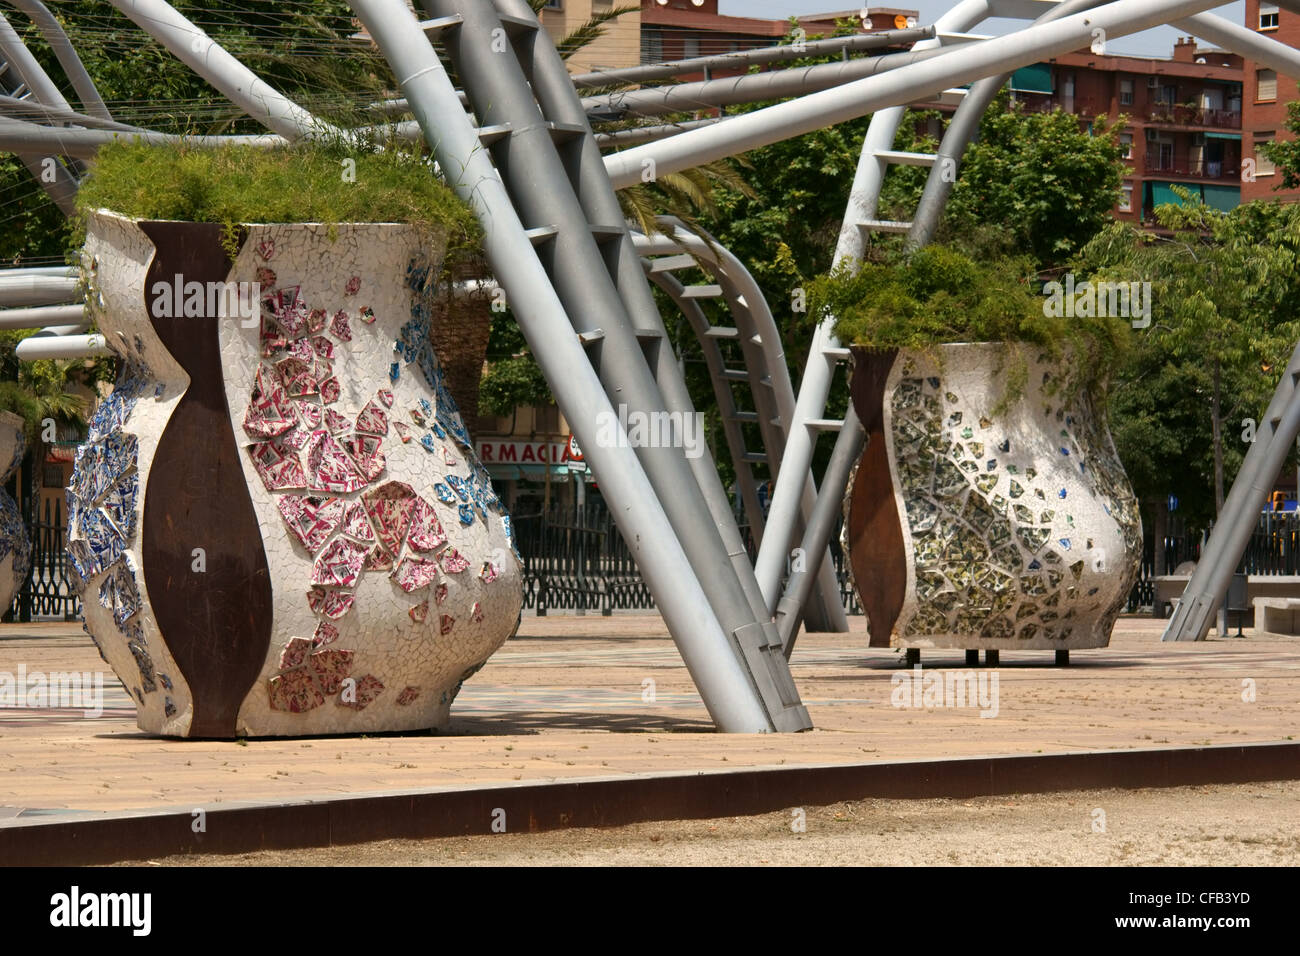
<point x="15" y="546"/>
<point x="970" y="526"/>
<point x="277" y="517"/>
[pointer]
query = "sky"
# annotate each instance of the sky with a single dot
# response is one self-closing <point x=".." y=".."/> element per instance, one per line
<point x="1155" y="43"/>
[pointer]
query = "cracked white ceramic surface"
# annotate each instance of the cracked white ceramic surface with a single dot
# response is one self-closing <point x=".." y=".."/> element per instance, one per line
<point x="1020" y="528"/>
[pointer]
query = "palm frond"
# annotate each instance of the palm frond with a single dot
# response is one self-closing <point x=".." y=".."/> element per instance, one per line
<point x="591" y="31"/>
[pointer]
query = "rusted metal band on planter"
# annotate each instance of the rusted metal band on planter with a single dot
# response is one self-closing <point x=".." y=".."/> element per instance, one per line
<point x="620" y="801"/>
<point x="876" y="549"/>
<point x="216" y="622"/>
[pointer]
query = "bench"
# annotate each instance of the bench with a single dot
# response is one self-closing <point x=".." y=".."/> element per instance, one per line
<point x="1277" y="616"/>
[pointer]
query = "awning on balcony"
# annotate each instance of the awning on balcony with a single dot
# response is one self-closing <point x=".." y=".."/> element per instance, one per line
<point x="1214" y="196"/>
<point x="1032" y="79"/>
<point x="1232" y="136"/>
<point x="1222" y="197"/>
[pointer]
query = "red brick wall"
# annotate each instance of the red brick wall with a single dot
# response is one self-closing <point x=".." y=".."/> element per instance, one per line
<point x="1267" y="116"/>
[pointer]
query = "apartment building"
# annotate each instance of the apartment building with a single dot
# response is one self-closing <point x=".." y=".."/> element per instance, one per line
<point x="1183" y="118"/>
<point x="1264" y="108"/>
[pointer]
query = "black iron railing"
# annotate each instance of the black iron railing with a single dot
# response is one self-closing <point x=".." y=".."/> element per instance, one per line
<point x="47" y="593"/>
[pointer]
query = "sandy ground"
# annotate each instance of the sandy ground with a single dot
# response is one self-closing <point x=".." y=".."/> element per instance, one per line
<point x="567" y="699"/>
<point x="1247" y="825"/>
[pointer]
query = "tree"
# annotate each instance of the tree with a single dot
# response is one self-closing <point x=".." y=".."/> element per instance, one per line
<point x="302" y="50"/>
<point x="1051" y="185"/>
<point x="1285" y="154"/>
<point x="1224" y="295"/>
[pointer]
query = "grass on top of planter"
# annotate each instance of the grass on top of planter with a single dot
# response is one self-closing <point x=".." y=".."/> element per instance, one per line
<point x="300" y="183"/>
<point x="938" y="295"/>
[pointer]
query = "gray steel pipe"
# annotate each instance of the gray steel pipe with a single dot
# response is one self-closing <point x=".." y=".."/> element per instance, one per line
<point x="19" y="136"/>
<point x="1237" y="39"/>
<point x="817" y="536"/>
<point x="53" y="315"/>
<point x="64" y="52"/>
<point x="26" y="290"/>
<point x="651" y="381"/>
<point x="724" y="686"/>
<point x="61" y="347"/>
<point x="743" y="59"/>
<point x="750" y="88"/>
<point x="1236" y="521"/>
<point x="965" y="124"/>
<point x="193" y="47"/>
<point x="962" y="64"/>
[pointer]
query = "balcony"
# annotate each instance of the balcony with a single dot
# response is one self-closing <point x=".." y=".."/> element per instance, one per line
<point x="1194" y="116"/>
<point x="1188" y="168"/>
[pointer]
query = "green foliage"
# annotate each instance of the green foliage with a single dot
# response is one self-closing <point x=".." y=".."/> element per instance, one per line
<point x="38" y="390"/>
<point x="513" y="378"/>
<point x="939" y="295"/>
<point x="1051" y="185"/>
<point x="302" y="183"/>
<point x="303" y="50"/>
<point x="1225" y="291"/>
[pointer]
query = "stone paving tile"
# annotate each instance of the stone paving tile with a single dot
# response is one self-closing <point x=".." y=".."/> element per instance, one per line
<point x="568" y="698"/>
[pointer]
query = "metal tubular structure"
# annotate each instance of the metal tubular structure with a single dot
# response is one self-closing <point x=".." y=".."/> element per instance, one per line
<point x="42" y="317"/>
<point x="59" y="43"/>
<point x="54" y="345"/>
<point x="1237" y="39"/>
<point x="193" y="47"/>
<point x="567" y="195"/>
<point x="1239" y="516"/>
<point x="649" y="134"/>
<point x="764" y="371"/>
<point x="17" y="136"/>
<point x="750" y="88"/>
<point x="29" y="110"/>
<point x="556" y="238"/>
<point x="744" y="59"/>
<point x="965" y="124"/>
<point x="27" y="289"/>
<point x="29" y="81"/>
<point x="929" y="77"/>
<point x="826" y="514"/>
<point x="725" y="686"/>
<point x="1015" y="50"/>
<point x="739" y="60"/>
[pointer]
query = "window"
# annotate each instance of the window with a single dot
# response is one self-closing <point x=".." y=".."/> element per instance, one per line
<point x="691" y="47"/>
<point x="1125" y="92"/>
<point x="1266" y="86"/>
<point x="1268" y="16"/>
<point x="1126" y="197"/>
<point x="553" y="5"/>
<point x="1125" y="145"/>
<point x="1263" y="165"/>
<point x="652" y="46"/>
<point x="1167" y="95"/>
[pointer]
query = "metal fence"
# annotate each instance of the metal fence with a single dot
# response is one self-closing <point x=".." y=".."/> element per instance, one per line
<point x="47" y="594"/>
<point x="575" y="559"/>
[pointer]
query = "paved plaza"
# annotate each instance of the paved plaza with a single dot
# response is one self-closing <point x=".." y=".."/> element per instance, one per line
<point x="581" y="697"/>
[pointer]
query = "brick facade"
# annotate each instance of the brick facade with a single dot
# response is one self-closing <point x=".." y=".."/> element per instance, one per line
<point x="1264" y="110"/>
